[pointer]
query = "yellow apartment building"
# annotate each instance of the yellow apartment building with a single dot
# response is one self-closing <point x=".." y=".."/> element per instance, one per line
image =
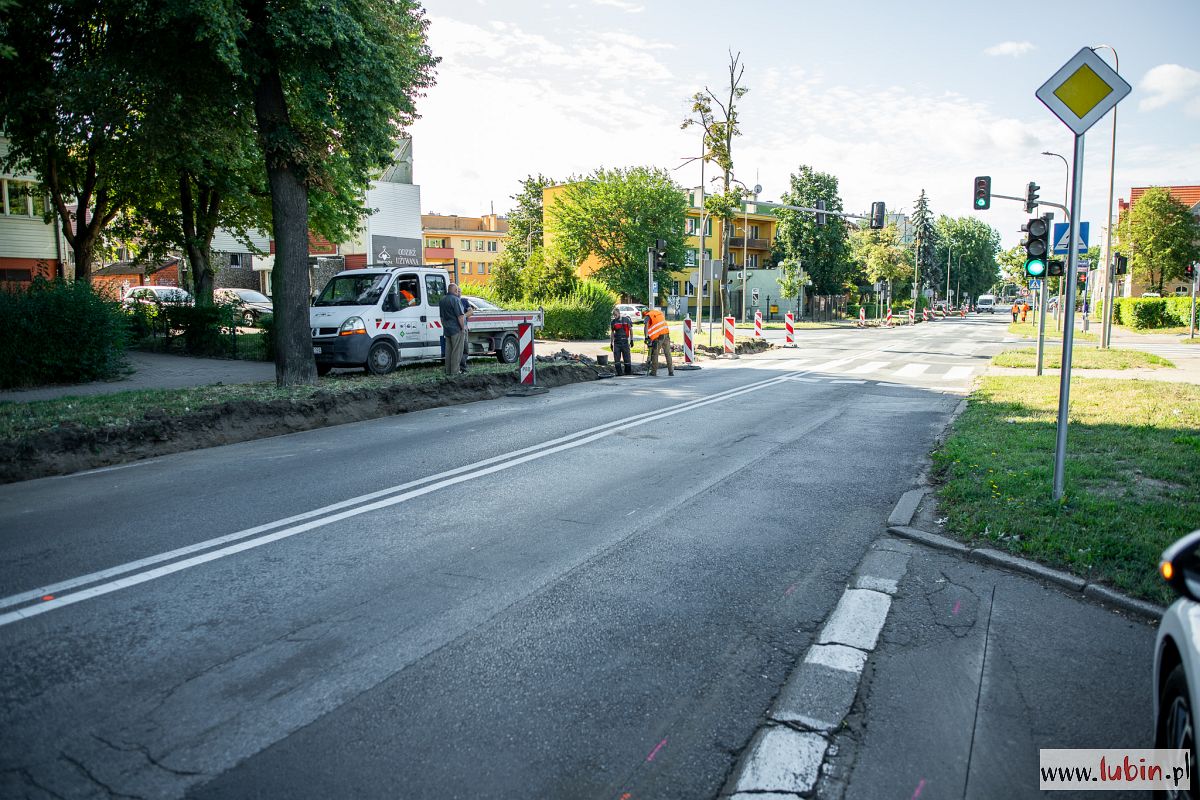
<point x="472" y="243"/>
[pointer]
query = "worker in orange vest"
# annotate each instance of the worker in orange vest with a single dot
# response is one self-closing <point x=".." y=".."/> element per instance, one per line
<point x="1024" y="309"/>
<point x="659" y="339"/>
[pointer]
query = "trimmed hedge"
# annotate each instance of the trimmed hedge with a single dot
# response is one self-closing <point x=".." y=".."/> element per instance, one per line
<point x="583" y="314"/>
<point x="1149" y="313"/>
<point x="59" y="332"/>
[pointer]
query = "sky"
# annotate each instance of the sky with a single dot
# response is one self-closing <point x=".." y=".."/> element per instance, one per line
<point x="890" y="99"/>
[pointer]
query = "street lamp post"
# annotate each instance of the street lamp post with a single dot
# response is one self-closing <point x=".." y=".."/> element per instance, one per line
<point x="1070" y="245"/>
<point x="1109" y="277"/>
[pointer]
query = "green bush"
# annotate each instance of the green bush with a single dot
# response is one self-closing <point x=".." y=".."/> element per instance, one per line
<point x="266" y="324"/>
<point x="206" y="330"/>
<point x="59" y="332"/>
<point x="1149" y="313"/>
<point x="585" y="313"/>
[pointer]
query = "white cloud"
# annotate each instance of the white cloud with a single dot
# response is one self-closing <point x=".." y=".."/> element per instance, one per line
<point x="1014" y="49"/>
<point x="1171" y="83"/>
<point x="624" y="5"/>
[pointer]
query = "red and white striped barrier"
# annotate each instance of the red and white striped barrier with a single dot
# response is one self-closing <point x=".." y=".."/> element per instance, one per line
<point x="889" y="317"/>
<point x="757" y="324"/>
<point x="689" y="349"/>
<point x="525" y="345"/>
<point x="789" y="325"/>
<point x="862" y="316"/>
<point x="962" y="312"/>
<point x="729" y="348"/>
<point x="912" y="316"/>
<point x="925" y="315"/>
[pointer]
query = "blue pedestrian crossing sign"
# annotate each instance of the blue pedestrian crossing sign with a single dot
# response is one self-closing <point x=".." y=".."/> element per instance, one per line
<point x="1035" y="284"/>
<point x="1061" y="231"/>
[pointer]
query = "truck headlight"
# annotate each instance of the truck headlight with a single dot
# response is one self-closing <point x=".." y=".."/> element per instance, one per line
<point x="352" y="326"/>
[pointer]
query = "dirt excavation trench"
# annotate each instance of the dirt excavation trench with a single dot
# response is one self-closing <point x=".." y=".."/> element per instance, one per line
<point x="71" y="448"/>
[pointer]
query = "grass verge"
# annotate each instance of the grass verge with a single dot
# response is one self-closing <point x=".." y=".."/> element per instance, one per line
<point x="19" y="420"/>
<point x="1132" y="475"/>
<point x="1082" y="358"/>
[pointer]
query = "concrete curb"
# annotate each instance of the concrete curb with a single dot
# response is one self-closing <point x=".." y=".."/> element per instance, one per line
<point x="996" y="558"/>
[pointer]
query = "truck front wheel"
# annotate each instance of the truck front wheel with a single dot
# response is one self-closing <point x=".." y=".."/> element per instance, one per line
<point x="381" y="359"/>
<point x="508" y="351"/>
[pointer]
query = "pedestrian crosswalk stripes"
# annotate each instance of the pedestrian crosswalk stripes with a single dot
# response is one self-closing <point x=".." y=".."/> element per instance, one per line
<point x="912" y="370"/>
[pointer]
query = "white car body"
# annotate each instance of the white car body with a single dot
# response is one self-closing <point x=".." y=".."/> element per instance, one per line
<point x="156" y="294"/>
<point x="631" y="310"/>
<point x="379" y="316"/>
<point x="986" y="302"/>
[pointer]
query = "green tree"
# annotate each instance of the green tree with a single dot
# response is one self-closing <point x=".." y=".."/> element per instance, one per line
<point x="1011" y="265"/>
<point x="880" y="254"/>
<point x="70" y="109"/>
<point x="615" y="215"/>
<point x="822" y="250"/>
<point x="1160" y="237"/>
<point x="525" y="234"/>
<point x="972" y="247"/>
<point x="547" y="274"/>
<point x="720" y="129"/>
<point x="925" y="236"/>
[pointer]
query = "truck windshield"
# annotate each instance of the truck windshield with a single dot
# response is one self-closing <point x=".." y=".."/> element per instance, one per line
<point x="352" y="290"/>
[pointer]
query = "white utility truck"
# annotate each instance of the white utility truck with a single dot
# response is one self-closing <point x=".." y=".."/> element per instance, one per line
<point x="378" y="316"/>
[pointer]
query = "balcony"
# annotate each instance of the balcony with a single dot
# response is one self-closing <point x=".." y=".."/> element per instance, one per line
<point x="752" y="244"/>
<point x="435" y="254"/>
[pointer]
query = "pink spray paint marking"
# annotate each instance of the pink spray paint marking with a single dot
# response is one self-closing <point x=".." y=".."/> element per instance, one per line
<point x="790" y="589"/>
<point x="957" y="605"/>
<point x="654" y="752"/>
<point x="920" y="786"/>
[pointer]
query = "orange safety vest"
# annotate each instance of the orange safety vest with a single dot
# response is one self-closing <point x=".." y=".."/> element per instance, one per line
<point x="656" y="323"/>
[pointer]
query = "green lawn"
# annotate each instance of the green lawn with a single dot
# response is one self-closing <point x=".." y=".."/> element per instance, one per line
<point x="1081" y="358"/>
<point x="97" y="411"/>
<point x="1132" y="475"/>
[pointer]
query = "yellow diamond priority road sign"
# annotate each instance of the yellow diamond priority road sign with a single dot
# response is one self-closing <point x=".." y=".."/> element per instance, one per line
<point x="1083" y="91"/>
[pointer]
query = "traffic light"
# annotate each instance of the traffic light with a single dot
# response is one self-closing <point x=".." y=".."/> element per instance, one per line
<point x="660" y="254"/>
<point x="820" y="212"/>
<point x="1083" y="273"/>
<point x="1054" y="268"/>
<point x="1189" y="271"/>
<point x="1122" y="264"/>
<point x="877" y="209"/>
<point x="983" y="193"/>
<point x="1031" y="197"/>
<point x="1036" y="246"/>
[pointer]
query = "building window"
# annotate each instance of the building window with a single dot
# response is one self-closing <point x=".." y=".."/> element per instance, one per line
<point x="689" y="257"/>
<point x="464" y="244"/>
<point x="3" y="197"/>
<point x="466" y="268"/>
<point x="754" y="232"/>
<point x="675" y="288"/>
<point x="492" y="246"/>
<point x="235" y="260"/>
<point x="693" y="226"/>
<point x="479" y="245"/>
<point x="483" y="267"/>
<point x="752" y="261"/>
<point x="38" y="202"/>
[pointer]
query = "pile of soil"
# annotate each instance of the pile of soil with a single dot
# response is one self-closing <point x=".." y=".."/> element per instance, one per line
<point x="72" y="448"/>
<point x="742" y="348"/>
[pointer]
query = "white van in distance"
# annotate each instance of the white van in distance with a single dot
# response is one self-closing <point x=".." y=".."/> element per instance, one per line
<point x="986" y="302"/>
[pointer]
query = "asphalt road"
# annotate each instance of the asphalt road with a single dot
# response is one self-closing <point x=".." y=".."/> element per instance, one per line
<point x="592" y="593"/>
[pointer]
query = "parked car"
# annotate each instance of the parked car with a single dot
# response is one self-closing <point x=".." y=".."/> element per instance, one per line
<point x="985" y="303"/>
<point x="155" y="295"/>
<point x="632" y="310"/>
<point x="479" y="304"/>
<point x="1177" y="650"/>
<point x="250" y="305"/>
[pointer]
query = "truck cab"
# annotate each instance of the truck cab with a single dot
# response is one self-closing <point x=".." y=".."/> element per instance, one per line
<point x="378" y="316"/>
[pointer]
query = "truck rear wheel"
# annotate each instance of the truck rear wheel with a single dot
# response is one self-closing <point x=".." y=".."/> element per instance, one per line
<point x="508" y="351"/>
<point x="381" y="359"/>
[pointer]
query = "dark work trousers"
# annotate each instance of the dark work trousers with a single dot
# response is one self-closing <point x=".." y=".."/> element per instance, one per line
<point x="621" y="354"/>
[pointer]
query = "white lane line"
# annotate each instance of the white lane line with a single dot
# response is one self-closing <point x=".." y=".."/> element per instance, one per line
<point x="837" y="656"/>
<point x="132" y="566"/>
<point x="957" y="373"/>
<point x="857" y="620"/>
<point x="911" y="370"/>
<point x="865" y="369"/>
<point x="113" y="468"/>
<point x="848" y="380"/>
<point x="449" y="478"/>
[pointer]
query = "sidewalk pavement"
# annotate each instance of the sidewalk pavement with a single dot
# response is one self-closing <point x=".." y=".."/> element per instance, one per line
<point x="156" y="371"/>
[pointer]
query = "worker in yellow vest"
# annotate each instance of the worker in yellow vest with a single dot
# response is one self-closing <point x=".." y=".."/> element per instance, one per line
<point x="659" y="339"/>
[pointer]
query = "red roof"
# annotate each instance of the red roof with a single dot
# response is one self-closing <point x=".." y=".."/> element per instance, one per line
<point x="1188" y="195"/>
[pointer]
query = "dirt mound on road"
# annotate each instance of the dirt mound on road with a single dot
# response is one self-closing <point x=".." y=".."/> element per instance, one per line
<point x="72" y="447"/>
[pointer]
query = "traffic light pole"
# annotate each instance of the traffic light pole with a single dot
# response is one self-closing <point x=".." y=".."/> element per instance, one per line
<point x="1064" y="390"/>
<point x="1043" y="294"/>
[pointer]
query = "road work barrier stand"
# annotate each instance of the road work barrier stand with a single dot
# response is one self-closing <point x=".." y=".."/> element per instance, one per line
<point x="862" y="317"/>
<point x="758" y="324"/>
<point x="689" y="346"/>
<point x="789" y="324"/>
<point x="912" y="317"/>
<point x="888" y="322"/>
<point x="528" y="368"/>
<point x="730" y="350"/>
<point x="925" y="315"/>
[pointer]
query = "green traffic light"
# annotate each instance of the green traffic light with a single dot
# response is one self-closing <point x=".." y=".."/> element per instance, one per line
<point x="1035" y="268"/>
<point x="981" y="202"/>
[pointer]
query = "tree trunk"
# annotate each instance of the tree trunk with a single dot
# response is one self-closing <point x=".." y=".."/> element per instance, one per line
<point x="291" y="294"/>
<point x="199" y="218"/>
